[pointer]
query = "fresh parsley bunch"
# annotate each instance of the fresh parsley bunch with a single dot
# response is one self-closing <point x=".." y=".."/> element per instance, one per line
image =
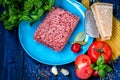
<point x="27" y="10"/>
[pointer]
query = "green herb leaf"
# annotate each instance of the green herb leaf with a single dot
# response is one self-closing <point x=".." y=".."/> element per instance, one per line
<point x="96" y="68"/>
<point x="8" y="25"/>
<point x="46" y="7"/>
<point x="7" y="2"/>
<point x="28" y="6"/>
<point x="2" y="18"/>
<point x="92" y="65"/>
<point x="11" y="12"/>
<point x="100" y="60"/>
<point x="80" y="36"/>
<point x="34" y="17"/>
<point x="38" y="3"/>
<point x="51" y="2"/>
<point x="102" y="66"/>
<point x="108" y="69"/>
<point x="34" y="12"/>
<point x="26" y="18"/>
<point x="80" y="42"/>
<point x="27" y="10"/>
<point x="101" y="73"/>
<point x="1" y="2"/>
<point x="40" y="12"/>
<point x="5" y="12"/>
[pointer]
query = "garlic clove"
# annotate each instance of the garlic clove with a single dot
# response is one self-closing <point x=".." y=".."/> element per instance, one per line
<point x="64" y="71"/>
<point x="54" y="70"/>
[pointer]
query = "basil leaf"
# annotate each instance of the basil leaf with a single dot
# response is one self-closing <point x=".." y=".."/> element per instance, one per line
<point x="92" y="65"/>
<point x="40" y="12"/>
<point x="8" y="25"/>
<point x="46" y="7"/>
<point x="25" y="13"/>
<point x="28" y="6"/>
<point x="38" y="3"/>
<point x="100" y="60"/>
<point x="1" y="2"/>
<point x="2" y="18"/>
<point x="34" y="17"/>
<point x="80" y="36"/>
<point x="51" y="2"/>
<point x="96" y="68"/>
<point x="4" y="15"/>
<point x="103" y="66"/>
<point x="7" y="2"/>
<point x="108" y="68"/>
<point x="28" y="10"/>
<point x="5" y="12"/>
<point x="101" y="73"/>
<point x="13" y="11"/>
<point x="34" y="12"/>
<point x="12" y="19"/>
<point x="80" y="42"/>
<point x="26" y="18"/>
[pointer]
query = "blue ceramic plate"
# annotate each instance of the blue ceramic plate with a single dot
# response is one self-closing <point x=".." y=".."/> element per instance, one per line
<point x="44" y="54"/>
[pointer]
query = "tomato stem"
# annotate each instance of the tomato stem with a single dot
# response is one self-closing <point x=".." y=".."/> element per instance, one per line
<point x="98" y="50"/>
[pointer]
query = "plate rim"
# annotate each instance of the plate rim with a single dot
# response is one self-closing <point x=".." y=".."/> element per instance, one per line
<point x="48" y="62"/>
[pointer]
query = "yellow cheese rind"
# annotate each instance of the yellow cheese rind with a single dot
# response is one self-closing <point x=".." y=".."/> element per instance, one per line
<point x="103" y="16"/>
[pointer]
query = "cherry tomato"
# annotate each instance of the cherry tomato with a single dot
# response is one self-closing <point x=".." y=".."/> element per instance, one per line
<point x="98" y="48"/>
<point x="83" y="70"/>
<point x="76" y="47"/>
<point x="84" y="73"/>
<point x="95" y="74"/>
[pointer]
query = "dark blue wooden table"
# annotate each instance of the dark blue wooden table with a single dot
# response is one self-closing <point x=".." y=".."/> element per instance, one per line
<point x="15" y="64"/>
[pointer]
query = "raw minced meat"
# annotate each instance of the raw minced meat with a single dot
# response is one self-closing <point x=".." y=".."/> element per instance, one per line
<point x="56" y="28"/>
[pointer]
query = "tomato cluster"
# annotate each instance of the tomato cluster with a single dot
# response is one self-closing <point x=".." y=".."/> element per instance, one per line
<point x="83" y="62"/>
<point x="83" y="70"/>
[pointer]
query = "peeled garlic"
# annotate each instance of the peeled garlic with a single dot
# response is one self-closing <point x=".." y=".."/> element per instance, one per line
<point x="54" y="70"/>
<point x="65" y="71"/>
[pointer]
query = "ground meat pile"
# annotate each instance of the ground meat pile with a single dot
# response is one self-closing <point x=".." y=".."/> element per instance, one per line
<point x="56" y="28"/>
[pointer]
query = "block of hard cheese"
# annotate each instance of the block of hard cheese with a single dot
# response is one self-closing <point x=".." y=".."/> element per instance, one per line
<point x="103" y="13"/>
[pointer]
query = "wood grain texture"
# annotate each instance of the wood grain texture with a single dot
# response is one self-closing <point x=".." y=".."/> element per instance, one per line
<point x="11" y="55"/>
<point x="15" y="64"/>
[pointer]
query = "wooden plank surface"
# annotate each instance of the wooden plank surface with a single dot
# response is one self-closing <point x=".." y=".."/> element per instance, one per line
<point x="15" y="64"/>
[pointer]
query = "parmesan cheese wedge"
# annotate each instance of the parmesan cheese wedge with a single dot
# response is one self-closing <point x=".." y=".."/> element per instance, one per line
<point x="103" y="13"/>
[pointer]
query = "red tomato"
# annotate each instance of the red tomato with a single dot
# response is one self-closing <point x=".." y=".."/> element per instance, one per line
<point x="98" y="48"/>
<point x="95" y="74"/>
<point x="82" y="59"/>
<point x="82" y="63"/>
<point x="84" y="73"/>
<point x="76" y="47"/>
